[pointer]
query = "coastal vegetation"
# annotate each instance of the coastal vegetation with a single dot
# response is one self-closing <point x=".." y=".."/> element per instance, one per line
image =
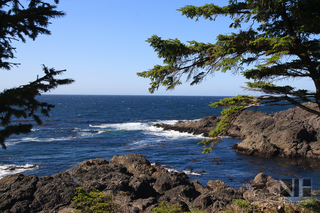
<point x="96" y="201"/>
<point x="20" y="21"/>
<point x="274" y="40"/>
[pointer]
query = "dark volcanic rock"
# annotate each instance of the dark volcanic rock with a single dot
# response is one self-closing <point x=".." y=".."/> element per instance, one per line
<point x="216" y="185"/>
<point x="263" y="188"/>
<point x="204" y="201"/>
<point x="291" y="133"/>
<point x="169" y="180"/>
<point x="199" y="187"/>
<point x="136" y="164"/>
<point x="53" y="192"/>
<point x="141" y="188"/>
<point x="20" y="193"/>
<point x="134" y="191"/>
<point x="183" y="192"/>
<point x="16" y="192"/>
<point x="202" y="126"/>
<point x="144" y="203"/>
<point x="101" y="175"/>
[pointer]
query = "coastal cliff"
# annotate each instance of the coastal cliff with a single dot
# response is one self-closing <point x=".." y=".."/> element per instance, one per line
<point x="290" y="133"/>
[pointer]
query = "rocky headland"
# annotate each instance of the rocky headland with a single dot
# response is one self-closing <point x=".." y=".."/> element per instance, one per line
<point x="135" y="184"/>
<point x="291" y="133"/>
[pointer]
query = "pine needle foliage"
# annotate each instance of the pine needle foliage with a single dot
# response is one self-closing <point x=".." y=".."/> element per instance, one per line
<point x="235" y="105"/>
<point x="21" y="102"/>
<point x="20" y="20"/>
<point x="281" y="42"/>
<point x="273" y="40"/>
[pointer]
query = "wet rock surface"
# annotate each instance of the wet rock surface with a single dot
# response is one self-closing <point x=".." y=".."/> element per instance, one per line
<point x="291" y="133"/>
<point x="136" y="185"/>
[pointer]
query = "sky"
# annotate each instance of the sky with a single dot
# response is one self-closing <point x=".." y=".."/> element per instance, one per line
<point x="102" y="45"/>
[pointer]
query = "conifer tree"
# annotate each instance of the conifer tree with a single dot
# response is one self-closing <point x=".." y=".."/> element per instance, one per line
<point x="281" y="42"/>
<point x="19" y="21"/>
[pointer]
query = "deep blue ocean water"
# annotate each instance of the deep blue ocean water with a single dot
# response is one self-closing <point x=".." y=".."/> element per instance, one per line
<point x="87" y="127"/>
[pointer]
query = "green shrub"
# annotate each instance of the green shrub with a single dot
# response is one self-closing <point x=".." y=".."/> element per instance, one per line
<point x="165" y="208"/>
<point x="244" y="205"/>
<point x="93" y="202"/>
<point x="310" y="204"/>
<point x="241" y="204"/>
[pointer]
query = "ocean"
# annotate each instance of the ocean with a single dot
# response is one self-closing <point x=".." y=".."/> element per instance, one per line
<point x="83" y="127"/>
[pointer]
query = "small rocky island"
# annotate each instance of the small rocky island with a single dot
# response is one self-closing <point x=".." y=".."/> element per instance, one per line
<point x="291" y="133"/>
<point x="136" y="186"/>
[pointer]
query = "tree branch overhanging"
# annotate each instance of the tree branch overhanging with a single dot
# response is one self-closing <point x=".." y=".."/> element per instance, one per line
<point x="283" y="44"/>
<point x="19" y="21"/>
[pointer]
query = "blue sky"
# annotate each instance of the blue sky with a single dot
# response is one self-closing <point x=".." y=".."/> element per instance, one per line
<point x="102" y="46"/>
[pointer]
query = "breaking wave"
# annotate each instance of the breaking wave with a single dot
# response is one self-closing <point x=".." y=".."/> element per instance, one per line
<point x="9" y="169"/>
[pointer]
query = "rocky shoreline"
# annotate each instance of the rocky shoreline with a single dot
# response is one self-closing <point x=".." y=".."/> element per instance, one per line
<point x="135" y="184"/>
<point x="291" y="133"/>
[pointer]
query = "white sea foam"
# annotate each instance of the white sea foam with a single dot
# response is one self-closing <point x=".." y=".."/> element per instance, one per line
<point x="51" y="139"/>
<point x="174" y="135"/>
<point x="146" y="142"/>
<point x="149" y="128"/>
<point x="123" y="126"/>
<point x="11" y="142"/>
<point x="170" y="169"/>
<point x="188" y="172"/>
<point x="85" y="134"/>
<point x="133" y="125"/>
<point x="171" y="134"/>
<point x="170" y="122"/>
<point x="89" y="133"/>
<point x="7" y="169"/>
<point x="154" y="135"/>
<point x="173" y="169"/>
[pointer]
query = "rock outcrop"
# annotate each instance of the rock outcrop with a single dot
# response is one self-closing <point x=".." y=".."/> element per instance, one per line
<point x="202" y="126"/>
<point x="291" y="133"/>
<point x="27" y="193"/>
<point x="136" y="185"/>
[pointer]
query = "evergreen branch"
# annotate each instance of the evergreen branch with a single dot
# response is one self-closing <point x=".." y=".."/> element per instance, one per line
<point x="283" y="42"/>
<point x="21" y="102"/>
<point x="235" y="106"/>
